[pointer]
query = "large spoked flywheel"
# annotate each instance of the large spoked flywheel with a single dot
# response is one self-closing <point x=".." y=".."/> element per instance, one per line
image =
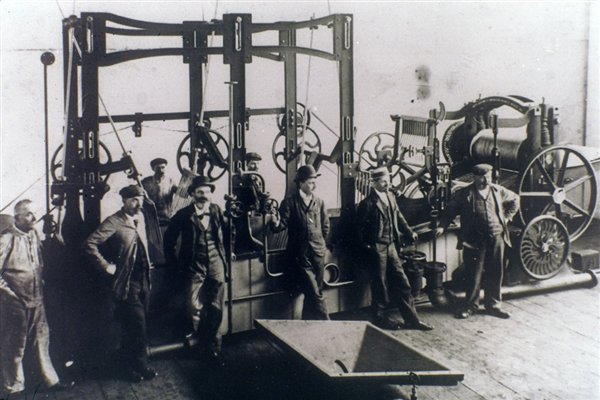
<point x="544" y="247"/>
<point x="559" y="181"/>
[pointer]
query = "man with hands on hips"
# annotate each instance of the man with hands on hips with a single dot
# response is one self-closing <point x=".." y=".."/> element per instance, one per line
<point x="129" y="268"/>
<point x="485" y="210"/>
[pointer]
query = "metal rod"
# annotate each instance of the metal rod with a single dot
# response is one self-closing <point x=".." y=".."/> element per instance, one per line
<point x="47" y="59"/>
<point x="230" y="192"/>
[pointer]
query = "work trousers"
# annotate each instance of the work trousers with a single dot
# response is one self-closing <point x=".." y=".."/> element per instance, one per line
<point x="131" y="313"/>
<point x="308" y="274"/>
<point x="484" y="263"/>
<point x="205" y="299"/>
<point x="390" y="284"/>
<point x="22" y="328"/>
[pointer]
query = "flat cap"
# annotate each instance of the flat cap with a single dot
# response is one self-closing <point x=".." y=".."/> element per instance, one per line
<point x="481" y="169"/>
<point x="157" y="161"/>
<point x="131" y="191"/>
<point x="306" y="172"/>
<point x="199" y="181"/>
<point x="379" y="173"/>
<point x="251" y="156"/>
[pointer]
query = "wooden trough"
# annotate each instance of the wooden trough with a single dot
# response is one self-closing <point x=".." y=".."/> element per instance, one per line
<point x="357" y="352"/>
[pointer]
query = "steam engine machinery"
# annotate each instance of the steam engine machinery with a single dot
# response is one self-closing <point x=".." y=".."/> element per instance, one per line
<point x="81" y="167"/>
<point x="557" y="184"/>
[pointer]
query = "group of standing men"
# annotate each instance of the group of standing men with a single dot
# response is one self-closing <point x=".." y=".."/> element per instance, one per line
<point x="205" y="244"/>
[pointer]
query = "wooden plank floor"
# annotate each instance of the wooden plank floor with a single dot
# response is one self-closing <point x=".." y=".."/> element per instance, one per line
<point x="548" y="350"/>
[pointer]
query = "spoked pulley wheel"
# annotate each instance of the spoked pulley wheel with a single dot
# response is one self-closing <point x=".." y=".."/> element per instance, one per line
<point x="544" y="247"/>
<point x="56" y="163"/>
<point x="205" y="164"/>
<point x="561" y="182"/>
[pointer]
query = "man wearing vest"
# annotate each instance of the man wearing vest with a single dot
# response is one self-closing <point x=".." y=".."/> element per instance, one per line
<point x="485" y="210"/>
<point x="204" y="232"/>
<point x="381" y="228"/>
<point x="305" y="217"/>
<point x="129" y="267"/>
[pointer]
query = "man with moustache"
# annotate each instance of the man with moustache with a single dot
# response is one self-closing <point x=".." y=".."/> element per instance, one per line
<point x="23" y="325"/>
<point x="485" y="210"/>
<point x="204" y="232"/>
<point x="128" y="266"/>
<point x="382" y="228"/>
<point x="305" y="217"/>
<point x="160" y="190"/>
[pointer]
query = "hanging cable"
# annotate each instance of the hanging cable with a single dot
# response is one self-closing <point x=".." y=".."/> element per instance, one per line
<point x="20" y="194"/>
<point x="306" y="107"/>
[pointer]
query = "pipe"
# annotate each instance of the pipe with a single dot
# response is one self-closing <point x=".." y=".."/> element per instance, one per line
<point x="589" y="279"/>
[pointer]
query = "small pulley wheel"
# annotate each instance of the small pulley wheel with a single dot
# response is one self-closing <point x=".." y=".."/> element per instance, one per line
<point x="201" y="157"/>
<point x="56" y="164"/>
<point x="544" y="247"/>
<point x="270" y="205"/>
<point x="235" y="208"/>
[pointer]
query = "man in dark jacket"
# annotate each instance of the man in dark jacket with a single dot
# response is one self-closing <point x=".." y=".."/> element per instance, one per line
<point x="129" y="267"/>
<point x="204" y="232"/>
<point x="305" y="217"/>
<point x="381" y="228"/>
<point x="485" y="210"/>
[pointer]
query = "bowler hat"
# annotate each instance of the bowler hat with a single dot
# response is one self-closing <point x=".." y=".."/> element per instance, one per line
<point x="481" y="169"/>
<point x="131" y="191"/>
<point x="306" y="172"/>
<point x="251" y="156"/>
<point x="157" y="161"/>
<point x="200" y="181"/>
<point x="379" y="173"/>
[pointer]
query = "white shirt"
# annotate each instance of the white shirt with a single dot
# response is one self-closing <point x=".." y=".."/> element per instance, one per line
<point x="383" y="196"/>
<point x="484" y="193"/>
<point x="306" y="198"/>
<point x="203" y="215"/>
<point x="140" y="228"/>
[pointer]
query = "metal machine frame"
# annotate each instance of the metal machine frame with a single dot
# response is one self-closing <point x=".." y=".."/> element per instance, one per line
<point x="81" y="166"/>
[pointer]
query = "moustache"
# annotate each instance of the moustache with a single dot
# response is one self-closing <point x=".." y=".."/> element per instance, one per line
<point x="203" y="198"/>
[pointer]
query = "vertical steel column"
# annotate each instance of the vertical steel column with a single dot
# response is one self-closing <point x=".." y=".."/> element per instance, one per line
<point x="71" y="227"/>
<point x="93" y="48"/>
<point x="237" y="51"/>
<point x="343" y="47"/>
<point x="193" y="39"/>
<point x="287" y="38"/>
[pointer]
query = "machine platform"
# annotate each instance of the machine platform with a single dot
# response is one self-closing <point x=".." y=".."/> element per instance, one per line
<point x="358" y="352"/>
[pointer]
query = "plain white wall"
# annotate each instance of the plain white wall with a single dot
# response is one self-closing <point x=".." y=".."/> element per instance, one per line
<point x="535" y="49"/>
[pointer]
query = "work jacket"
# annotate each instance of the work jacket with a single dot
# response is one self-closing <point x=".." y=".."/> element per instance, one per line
<point x="120" y="237"/>
<point x="21" y="266"/>
<point x="463" y="204"/>
<point x="308" y="226"/>
<point x="183" y="224"/>
<point x="371" y="221"/>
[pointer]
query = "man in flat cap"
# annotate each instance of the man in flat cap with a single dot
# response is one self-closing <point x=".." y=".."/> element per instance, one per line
<point x="205" y="238"/>
<point x="128" y="265"/>
<point x="252" y="160"/>
<point x="305" y="217"/>
<point x="23" y="325"/>
<point x="382" y="228"/>
<point x="485" y="210"/>
<point x="160" y="189"/>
